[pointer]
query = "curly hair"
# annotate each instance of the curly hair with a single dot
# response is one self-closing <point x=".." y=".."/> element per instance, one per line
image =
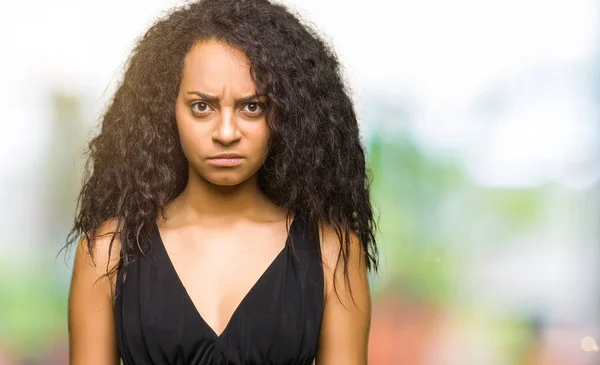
<point x="315" y="166"/>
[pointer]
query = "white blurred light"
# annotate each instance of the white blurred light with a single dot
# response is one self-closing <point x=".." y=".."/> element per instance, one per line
<point x="536" y="142"/>
<point x="588" y="344"/>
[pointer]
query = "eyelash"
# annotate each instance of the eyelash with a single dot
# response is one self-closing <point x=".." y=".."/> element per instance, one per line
<point x="260" y="105"/>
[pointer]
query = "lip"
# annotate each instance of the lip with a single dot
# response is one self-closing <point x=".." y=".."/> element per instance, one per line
<point x="225" y="160"/>
<point x="225" y="155"/>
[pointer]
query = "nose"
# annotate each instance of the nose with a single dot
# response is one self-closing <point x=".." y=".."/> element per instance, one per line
<point x="226" y="130"/>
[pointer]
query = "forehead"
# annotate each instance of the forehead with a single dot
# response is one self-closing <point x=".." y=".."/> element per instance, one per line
<point x="214" y="66"/>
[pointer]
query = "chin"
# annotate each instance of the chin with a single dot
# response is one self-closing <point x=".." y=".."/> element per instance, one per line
<point x="226" y="178"/>
<point x="225" y="182"/>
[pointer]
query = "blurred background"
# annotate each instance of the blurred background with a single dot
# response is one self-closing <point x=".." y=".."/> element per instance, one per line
<point x="481" y="121"/>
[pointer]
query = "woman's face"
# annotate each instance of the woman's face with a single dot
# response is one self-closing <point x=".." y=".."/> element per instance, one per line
<point x="221" y="121"/>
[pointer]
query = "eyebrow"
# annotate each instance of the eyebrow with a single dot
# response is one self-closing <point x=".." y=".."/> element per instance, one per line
<point x="214" y="99"/>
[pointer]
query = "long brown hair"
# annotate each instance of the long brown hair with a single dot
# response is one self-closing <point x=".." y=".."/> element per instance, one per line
<point x="316" y="164"/>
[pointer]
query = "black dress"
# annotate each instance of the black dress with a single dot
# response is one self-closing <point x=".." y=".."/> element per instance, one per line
<point x="277" y="322"/>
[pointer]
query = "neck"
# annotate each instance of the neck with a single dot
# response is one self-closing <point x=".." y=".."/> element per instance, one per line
<point x="201" y="199"/>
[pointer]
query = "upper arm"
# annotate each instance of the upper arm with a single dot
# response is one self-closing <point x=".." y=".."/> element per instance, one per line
<point x="92" y="338"/>
<point x="347" y="315"/>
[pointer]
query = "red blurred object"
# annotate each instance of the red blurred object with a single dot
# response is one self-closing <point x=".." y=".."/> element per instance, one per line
<point x="401" y="331"/>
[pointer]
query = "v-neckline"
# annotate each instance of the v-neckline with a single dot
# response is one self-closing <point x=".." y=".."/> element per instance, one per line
<point x="188" y="298"/>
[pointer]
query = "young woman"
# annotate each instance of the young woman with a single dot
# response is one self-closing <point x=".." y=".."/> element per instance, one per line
<point x="225" y="218"/>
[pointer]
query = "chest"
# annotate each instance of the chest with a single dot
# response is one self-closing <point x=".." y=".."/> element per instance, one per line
<point x="223" y="265"/>
<point x="217" y="271"/>
<point x="277" y="320"/>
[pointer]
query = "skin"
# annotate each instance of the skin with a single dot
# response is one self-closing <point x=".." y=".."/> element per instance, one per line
<point x="219" y="208"/>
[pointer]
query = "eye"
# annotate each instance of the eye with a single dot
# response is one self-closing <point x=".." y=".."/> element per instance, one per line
<point x="200" y="107"/>
<point x="254" y="108"/>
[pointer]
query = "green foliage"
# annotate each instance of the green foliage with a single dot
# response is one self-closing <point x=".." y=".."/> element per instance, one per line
<point x="431" y="215"/>
<point x="33" y="306"/>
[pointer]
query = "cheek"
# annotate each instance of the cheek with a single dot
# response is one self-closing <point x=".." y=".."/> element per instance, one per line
<point x="262" y="141"/>
<point x="264" y="132"/>
<point x="189" y="136"/>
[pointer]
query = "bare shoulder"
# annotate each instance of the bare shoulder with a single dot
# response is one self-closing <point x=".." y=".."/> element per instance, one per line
<point x="101" y="253"/>
<point x="91" y="322"/>
<point x="347" y="315"/>
<point x="335" y="252"/>
<point x="104" y="235"/>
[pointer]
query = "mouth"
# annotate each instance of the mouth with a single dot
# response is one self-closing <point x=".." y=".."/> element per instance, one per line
<point x="225" y="160"/>
<point x="226" y="155"/>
